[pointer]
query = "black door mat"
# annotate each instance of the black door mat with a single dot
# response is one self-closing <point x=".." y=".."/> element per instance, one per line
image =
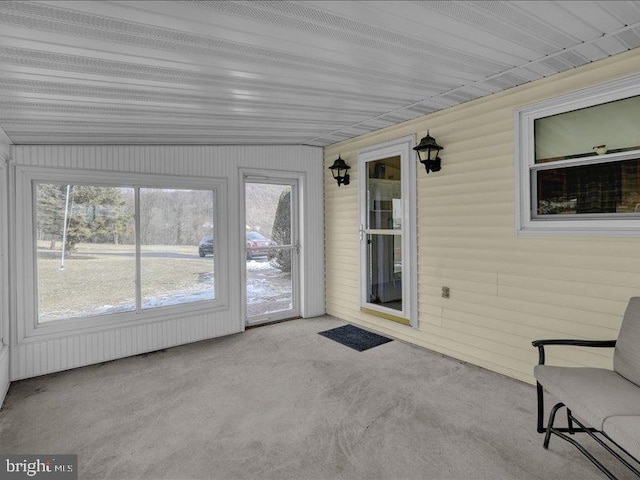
<point x="355" y="337"/>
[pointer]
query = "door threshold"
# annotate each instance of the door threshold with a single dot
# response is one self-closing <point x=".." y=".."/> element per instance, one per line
<point x="269" y="322"/>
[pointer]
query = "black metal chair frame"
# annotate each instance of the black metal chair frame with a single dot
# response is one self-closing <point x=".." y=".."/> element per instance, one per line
<point x="574" y="425"/>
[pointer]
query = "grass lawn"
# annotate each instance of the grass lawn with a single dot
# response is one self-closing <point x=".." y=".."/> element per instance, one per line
<point x="100" y="278"/>
<point x="43" y="246"/>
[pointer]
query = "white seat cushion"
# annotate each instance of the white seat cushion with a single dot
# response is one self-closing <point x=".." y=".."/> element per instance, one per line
<point x="626" y="432"/>
<point x="592" y="394"/>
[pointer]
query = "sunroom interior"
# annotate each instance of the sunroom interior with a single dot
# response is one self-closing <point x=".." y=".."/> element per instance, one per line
<point x="166" y="182"/>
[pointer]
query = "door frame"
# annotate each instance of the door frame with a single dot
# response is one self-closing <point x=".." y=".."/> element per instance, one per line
<point x="273" y="177"/>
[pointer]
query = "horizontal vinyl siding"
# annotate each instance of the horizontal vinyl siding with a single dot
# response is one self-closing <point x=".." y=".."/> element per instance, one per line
<point x="506" y="290"/>
<point x="39" y="355"/>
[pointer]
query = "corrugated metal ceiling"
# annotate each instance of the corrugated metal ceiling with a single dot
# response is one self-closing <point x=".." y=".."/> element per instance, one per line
<point x="277" y="72"/>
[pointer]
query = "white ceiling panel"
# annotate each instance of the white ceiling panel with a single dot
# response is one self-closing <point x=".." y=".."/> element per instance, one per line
<point x="277" y="72"/>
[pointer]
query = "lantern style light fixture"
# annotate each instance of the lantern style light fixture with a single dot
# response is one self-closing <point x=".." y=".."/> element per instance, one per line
<point x="339" y="171"/>
<point x="428" y="151"/>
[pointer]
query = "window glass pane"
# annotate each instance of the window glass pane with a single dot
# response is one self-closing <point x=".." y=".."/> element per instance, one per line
<point x="588" y="189"/>
<point x="384" y="270"/>
<point x="606" y="128"/>
<point x="94" y="274"/>
<point x="177" y="246"/>
<point x="384" y="194"/>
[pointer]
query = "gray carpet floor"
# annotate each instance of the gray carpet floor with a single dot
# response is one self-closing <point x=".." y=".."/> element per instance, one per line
<point x="282" y="402"/>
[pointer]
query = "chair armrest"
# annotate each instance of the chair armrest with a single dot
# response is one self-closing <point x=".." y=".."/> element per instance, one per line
<point x="574" y="343"/>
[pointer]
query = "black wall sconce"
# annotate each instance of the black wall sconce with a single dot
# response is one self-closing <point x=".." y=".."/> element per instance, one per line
<point x="428" y="151"/>
<point x="339" y="171"/>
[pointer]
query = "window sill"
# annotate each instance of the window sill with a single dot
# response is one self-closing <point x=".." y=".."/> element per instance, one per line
<point x="581" y="228"/>
<point x="80" y="326"/>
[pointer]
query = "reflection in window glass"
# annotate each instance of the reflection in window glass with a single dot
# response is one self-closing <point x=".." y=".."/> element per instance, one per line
<point x="605" y="128"/>
<point x="177" y="246"/>
<point x="590" y="189"/>
<point x="85" y="251"/>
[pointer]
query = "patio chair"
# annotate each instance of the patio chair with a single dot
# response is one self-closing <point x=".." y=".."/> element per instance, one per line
<point x="605" y="404"/>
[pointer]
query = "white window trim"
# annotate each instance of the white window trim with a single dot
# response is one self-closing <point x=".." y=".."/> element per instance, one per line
<point x="4" y="257"/>
<point x="524" y="154"/>
<point x="28" y="329"/>
<point x="398" y="147"/>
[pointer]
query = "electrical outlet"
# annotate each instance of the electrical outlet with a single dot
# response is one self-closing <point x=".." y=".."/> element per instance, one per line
<point x="445" y="292"/>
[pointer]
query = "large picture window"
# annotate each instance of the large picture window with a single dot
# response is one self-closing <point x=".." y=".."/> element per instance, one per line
<point x="578" y="162"/>
<point x="107" y="249"/>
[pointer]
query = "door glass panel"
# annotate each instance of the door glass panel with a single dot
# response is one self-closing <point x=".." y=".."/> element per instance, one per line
<point x="269" y="283"/>
<point x="384" y="194"/>
<point x="177" y="246"/>
<point x="268" y="249"/>
<point x="384" y="270"/>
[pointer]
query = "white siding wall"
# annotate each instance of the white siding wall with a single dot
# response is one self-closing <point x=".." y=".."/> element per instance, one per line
<point x="4" y="268"/>
<point x="39" y="355"/>
<point x="506" y="290"/>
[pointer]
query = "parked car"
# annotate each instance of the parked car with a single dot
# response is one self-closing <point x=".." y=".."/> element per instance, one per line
<point x="256" y="243"/>
<point x="205" y="246"/>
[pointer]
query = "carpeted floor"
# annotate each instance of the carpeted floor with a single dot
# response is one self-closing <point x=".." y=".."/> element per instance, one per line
<point x="282" y="402"/>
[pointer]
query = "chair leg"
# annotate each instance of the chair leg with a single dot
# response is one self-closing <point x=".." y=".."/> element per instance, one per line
<point x="571" y="430"/>
<point x="552" y="418"/>
<point x="540" y="392"/>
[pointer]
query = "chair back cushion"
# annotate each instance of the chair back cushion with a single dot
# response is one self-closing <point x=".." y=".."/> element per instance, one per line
<point x="626" y="359"/>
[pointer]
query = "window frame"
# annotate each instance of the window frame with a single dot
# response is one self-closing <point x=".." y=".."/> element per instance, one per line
<point x="26" y="250"/>
<point x="525" y="167"/>
<point x="401" y="147"/>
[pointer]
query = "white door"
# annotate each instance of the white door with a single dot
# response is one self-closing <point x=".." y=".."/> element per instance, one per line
<point x="271" y="250"/>
<point x="387" y="231"/>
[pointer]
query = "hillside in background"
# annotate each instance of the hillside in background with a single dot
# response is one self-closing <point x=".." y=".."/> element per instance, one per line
<point x="261" y="203"/>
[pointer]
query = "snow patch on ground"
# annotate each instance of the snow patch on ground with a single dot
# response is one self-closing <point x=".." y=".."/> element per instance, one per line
<point x="178" y="299"/>
<point x="267" y="288"/>
<point x="253" y="266"/>
<point x="164" y="300"/>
